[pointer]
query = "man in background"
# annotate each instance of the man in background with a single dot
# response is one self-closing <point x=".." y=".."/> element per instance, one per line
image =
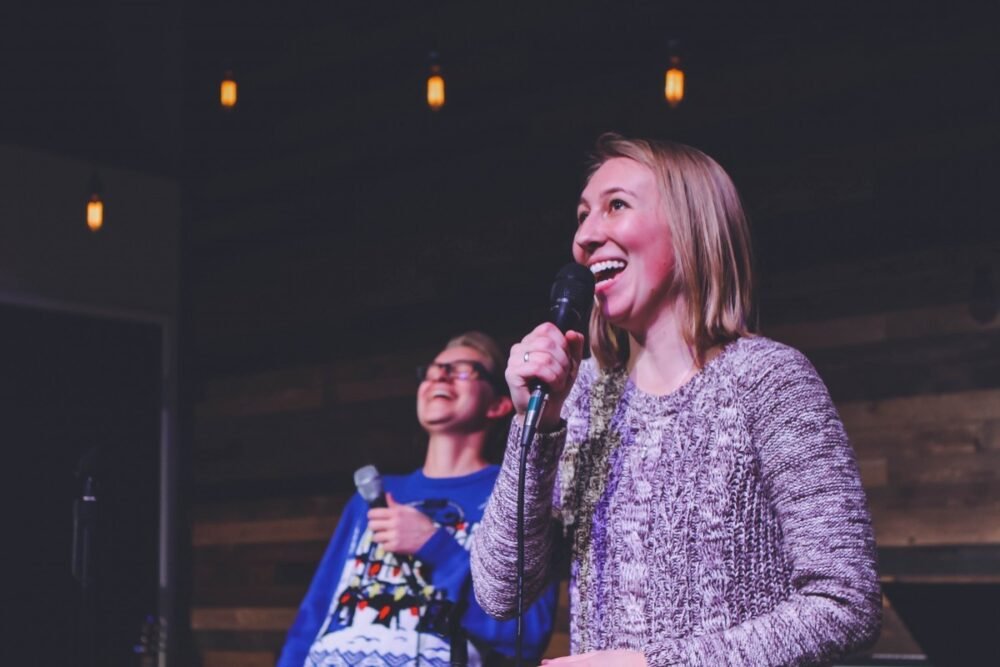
<point x="393" y="578"/>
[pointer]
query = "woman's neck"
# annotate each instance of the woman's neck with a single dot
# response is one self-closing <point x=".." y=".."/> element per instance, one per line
<point x="660" y="359"/>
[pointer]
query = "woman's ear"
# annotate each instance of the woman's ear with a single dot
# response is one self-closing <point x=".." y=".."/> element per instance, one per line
<point x="500" y="408"/>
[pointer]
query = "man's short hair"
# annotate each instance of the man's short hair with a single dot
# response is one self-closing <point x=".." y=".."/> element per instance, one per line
<point x="488" y="347"/>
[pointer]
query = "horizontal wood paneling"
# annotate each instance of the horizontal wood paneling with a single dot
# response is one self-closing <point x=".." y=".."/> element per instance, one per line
<point x="874" y="472"/>
<point x="839" y="332"/>
<point x="264" y="508"/>
<point x="299" y="529"/>
<point x="262" y="617"/>
<point x="305" y="388"/>
<point x="936" y="525"/>
<point x="329" y="441"/>
<point x="930" y="465"/>
<point x="886" y="284"/>
<point x="895" y="638"/>
<point x="965" y="437"/>
<point x="276" y="391"/>
<point x="918" y="389"/>
<point x="941" y="564"/>
<point x="908" y="367"/>
<point x="267" y="574"/>
<point x="257" y="641"/>
<point x="273" y="619"/>
<point x="957" y="407"/>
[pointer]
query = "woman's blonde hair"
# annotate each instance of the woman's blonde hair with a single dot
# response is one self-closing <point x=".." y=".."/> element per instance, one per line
<point x="711" y="242"/>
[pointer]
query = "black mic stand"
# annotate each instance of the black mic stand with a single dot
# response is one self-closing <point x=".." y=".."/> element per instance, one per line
<point x="457" y="637"/>
<point x="84" y="569"/>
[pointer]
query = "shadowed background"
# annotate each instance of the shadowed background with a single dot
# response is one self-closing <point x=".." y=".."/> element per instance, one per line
<point x="331" y="232"/>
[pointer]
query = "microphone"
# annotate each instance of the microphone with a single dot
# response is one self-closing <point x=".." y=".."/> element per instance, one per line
<point x="369" y="483"/>
<point x="570" y="300"/>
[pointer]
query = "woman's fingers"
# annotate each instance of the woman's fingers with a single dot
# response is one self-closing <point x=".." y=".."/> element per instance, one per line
<point x="544" y="354"/>
<point x="548" y="356"/>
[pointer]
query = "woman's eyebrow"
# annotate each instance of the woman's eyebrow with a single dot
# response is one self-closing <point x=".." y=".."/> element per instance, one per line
<point x="609" y="191"/>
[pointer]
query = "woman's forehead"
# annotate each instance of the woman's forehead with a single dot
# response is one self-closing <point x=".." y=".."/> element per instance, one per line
<point x="619" y="173"/>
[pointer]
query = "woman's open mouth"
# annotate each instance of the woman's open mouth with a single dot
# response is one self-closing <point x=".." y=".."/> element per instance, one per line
<point x="606" y="271"/>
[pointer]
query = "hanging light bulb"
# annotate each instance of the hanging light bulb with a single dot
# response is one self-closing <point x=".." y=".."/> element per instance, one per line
<point x="435" y="88"/>
<point x="95" y="207"/>
<point x="227" y="91"/>
<point x="435" y="84"/>
<point x="673" y="89"/>
<point x="95" y="212"/>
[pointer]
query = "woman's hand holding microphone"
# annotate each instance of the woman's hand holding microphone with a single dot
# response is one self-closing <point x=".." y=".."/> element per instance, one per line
<point x="548" y="356"/>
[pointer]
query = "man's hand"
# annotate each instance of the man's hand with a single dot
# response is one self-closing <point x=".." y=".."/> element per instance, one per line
<point x="400" y="529"/>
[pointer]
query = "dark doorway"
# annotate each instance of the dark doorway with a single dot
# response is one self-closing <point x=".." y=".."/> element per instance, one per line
<point x="74" y="387"/>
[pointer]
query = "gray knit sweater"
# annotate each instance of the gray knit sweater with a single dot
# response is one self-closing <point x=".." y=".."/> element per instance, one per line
<point x="722" y="524"/>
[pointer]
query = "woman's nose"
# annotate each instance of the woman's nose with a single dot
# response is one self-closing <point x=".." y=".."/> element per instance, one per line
<point x="589" y="235"/>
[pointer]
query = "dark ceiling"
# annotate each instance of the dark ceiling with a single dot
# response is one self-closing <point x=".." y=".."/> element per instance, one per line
<point x="852" y="130"/>
<point x="134" y="81"/>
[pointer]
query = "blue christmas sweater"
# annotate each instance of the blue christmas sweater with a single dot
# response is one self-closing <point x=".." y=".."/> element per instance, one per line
<point x="367" y="606"/>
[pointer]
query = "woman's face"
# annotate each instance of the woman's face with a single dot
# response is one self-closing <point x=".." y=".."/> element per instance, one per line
<point x="624" y="239"/>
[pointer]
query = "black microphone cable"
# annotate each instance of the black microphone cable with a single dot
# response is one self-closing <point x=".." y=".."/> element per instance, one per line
<point x="571" y="298"/>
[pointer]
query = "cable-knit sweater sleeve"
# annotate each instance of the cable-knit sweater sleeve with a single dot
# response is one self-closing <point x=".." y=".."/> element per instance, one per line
<point x="494" y="553"/>
<point x="810" y="477"/>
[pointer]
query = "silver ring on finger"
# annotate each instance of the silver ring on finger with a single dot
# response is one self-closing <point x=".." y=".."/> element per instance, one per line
<point x="525" y="357"/>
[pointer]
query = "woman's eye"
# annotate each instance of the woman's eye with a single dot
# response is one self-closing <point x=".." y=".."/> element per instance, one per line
<point x="581" y="216"/>
<point x="617" y="204"/>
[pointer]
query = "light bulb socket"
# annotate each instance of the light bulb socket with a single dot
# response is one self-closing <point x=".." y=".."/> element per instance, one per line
<point x="96" y="187"/>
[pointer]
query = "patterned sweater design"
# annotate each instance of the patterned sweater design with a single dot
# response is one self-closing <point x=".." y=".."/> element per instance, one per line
<point x="722" y="524"/>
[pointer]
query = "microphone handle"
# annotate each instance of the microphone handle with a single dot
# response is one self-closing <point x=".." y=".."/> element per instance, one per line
<point x="405" y="561"/>
<point x="539" y="394"/>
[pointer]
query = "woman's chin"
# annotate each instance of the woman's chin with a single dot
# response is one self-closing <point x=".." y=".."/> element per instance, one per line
<point x="612" y="314"/>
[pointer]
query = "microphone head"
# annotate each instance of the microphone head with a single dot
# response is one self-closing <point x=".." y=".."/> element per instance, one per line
<point x="571" y="298"/>
<point x="369" y="483"/>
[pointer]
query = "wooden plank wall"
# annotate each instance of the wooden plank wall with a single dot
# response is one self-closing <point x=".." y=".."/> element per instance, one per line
<point x="917" y="384"/>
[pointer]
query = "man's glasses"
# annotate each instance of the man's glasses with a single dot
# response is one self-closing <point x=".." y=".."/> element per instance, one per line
<point x="460" y="369"/>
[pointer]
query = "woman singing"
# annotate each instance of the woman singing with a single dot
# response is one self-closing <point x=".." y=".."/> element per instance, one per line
<point x="699" y="476"/>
